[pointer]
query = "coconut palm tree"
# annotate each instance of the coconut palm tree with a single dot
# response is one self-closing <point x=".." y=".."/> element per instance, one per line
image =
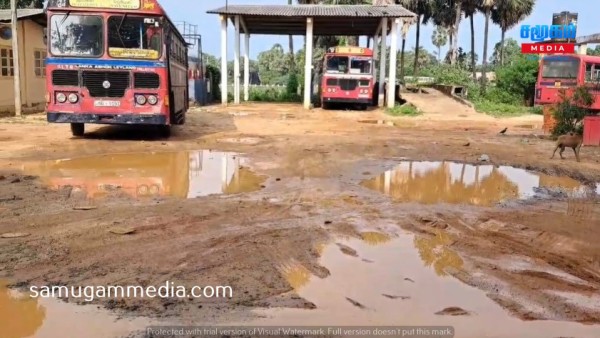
<point x="439" y="38"/>
<point x="507" y="14"/>
<point x="486" y="7"/>
<point x="470" y="8"/>
<point x="423" y="9"/>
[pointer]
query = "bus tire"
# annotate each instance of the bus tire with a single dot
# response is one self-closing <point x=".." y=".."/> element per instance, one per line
<point x="77" y="129"/>
<point x="165" y="131"/>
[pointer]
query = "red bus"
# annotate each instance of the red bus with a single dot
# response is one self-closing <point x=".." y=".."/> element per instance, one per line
<point x="566" y="72"/>
<point x="115" y="62"/>
<point x="348" y="77"/>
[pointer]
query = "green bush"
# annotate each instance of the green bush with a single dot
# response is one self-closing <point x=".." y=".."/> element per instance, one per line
<point x="498" y="95"/>
<point x="292" y="84"/>
<point x="537" y="110"/>
<point x="499" y="109"/>
<point x="571" y="110"/>
<point x="405" y="110"/>
<point x="214" y="74"/>
<point x="518" y="79"/>
<point x="273" y="94"/>
<point x="447" y="74"/>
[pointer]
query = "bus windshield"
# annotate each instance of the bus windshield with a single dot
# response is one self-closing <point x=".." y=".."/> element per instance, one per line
<point x="560" y="68"/>
<point x="134" y="37"/>
<point x="337" y="64"/>
<point x="76" y="35"/>
<point x="360" y="65"/>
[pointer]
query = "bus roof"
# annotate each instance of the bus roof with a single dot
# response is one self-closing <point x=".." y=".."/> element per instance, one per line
<point x="585" y="58"/>
<point x="121" y="6"/>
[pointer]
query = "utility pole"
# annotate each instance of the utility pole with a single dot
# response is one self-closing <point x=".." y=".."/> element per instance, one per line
<point x="15" y="52"/>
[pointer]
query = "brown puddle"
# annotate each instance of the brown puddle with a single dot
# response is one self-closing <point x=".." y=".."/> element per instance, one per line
<point x="185" y="174"/>
<point x="22" y="316"/>
<point x="392" y="284"/>
<point x="457" y="183"/>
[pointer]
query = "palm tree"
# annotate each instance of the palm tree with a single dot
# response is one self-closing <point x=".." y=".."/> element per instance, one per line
<point x="423" y="9"/>
<point x="470" y="7"/>
<point x="439" y="39"/>
<point x="405" y="27"/>
<point x="447" y="13"/>
<point x="507" y="14"/>
<point x="486" y="7"/>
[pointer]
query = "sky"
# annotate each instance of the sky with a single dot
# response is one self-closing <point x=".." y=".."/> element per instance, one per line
<point x="194" y="12"/>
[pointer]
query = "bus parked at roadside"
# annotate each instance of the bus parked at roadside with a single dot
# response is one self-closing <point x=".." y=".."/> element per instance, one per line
<point x="565" y="73"/>
<point x="348" y="77"/>
<point x="115" y="62"/>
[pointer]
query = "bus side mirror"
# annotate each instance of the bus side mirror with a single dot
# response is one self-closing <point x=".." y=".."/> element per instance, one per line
<point x="45" y="36"/>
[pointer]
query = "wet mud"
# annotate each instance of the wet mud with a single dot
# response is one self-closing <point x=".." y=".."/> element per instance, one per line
<point x="315" y="219"/>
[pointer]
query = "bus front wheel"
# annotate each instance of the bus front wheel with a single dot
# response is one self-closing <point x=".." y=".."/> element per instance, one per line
<point x="77" y="129"/>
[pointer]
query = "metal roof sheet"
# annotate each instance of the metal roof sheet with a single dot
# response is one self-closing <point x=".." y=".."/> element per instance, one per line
<point x="367" y="11"/>
<point x="328" y="19"/>
<point x="6" y="15"/>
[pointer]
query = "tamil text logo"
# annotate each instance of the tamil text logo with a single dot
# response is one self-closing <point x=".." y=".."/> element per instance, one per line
<point x="540" y="33"/>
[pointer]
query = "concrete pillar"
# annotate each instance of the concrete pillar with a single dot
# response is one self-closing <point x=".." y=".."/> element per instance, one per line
<point x="382" y="60"/>
<point x="375" y="56"/>
<point x="236" y="62"/>
<point x="582" y="50"/>
<point x="391" y="96"/>
<point x="224" y="59"/>
<point x="308" y="63"/>
<point x="247" y="67"/>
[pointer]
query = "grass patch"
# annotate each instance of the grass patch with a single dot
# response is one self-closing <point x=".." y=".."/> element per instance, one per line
<point x="273" y="95"/>
<point x="504" y="109"/>
<point x="405" y="110"/>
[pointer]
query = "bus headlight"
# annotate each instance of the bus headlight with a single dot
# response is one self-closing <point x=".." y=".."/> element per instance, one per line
<point x="152" y="99"/>
<point x="73" y="98"/>
<point x="61" y="97"/>
<point x="140" y="99"/>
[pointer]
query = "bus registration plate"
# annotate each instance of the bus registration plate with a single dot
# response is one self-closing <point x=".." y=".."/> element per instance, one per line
<point x="104" y="103"/>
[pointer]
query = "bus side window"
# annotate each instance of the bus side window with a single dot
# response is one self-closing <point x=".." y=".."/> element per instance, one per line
<point x="592" y="72"/>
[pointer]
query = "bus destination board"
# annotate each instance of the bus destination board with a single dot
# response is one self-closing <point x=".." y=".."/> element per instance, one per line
<point x="112" y="4"/>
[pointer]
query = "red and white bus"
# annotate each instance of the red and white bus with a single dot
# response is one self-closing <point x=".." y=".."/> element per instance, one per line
<point x="566" y="72"/>
<point x="115" y="62"/>
<point x="348" y="77"/>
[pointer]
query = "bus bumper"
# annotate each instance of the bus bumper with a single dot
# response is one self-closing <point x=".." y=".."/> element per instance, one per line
<point x="347" y="100"/>
<point x="107" y="118"/>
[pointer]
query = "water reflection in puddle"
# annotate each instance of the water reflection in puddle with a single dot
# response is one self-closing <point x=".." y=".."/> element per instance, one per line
<point x="22" y="316"/>
<point x="398" y="285"/>
<point x="457" y="183"/>
<point x="185" y="174"/>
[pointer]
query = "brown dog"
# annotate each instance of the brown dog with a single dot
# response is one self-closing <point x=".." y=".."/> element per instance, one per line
<point x="570" y="140"/>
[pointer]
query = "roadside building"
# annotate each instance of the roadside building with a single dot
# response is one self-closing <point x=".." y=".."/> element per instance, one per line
<point x="32" y="59"/>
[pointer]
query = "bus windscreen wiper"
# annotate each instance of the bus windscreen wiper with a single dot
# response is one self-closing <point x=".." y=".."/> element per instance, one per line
<point x="119" y="29"/>
<point x="65" y="18"/>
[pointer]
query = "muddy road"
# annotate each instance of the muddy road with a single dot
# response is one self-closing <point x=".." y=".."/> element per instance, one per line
<point x="312" y="217"/>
